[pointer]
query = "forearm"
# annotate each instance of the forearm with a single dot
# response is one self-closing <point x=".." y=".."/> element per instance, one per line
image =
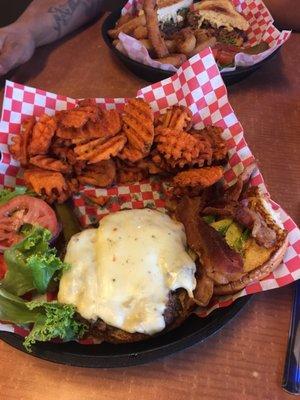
<point x="49" y="20"/>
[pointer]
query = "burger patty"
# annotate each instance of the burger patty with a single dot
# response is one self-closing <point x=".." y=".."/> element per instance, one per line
<point x="178" y="308"/>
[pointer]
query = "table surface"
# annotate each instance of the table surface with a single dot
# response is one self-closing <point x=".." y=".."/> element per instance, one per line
<point x="245" y="359"/>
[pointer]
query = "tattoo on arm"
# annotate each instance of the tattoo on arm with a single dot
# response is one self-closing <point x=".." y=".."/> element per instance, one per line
<point x="63" y="13"/>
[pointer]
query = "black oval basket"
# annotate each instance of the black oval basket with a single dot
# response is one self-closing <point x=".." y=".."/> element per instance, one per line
<point x="151" y="74"/>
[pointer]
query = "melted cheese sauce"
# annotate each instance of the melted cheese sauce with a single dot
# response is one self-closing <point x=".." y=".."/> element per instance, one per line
<point x="123" y="271"/>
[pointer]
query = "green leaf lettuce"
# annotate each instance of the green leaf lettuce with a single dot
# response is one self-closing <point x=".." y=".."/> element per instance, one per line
<point x="50" y="320"/>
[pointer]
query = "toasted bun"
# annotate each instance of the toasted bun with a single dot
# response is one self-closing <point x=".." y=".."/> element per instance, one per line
<point x="255" y="275"/>
<point x="259" y="204"/>
<point x="221" y="13"/>
<point x="179" y="3"/>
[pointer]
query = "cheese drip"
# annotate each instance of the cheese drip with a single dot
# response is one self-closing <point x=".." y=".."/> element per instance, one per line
<point x="123" y="271"/>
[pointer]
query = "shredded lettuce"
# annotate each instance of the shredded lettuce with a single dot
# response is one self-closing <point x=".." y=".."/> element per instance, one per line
<point x="31" y="263"/>
<point x="8" y="194"/>
<point x="50" y="320"/>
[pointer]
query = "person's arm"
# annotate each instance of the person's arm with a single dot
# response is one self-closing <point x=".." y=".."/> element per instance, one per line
<point x="43" y="22"/>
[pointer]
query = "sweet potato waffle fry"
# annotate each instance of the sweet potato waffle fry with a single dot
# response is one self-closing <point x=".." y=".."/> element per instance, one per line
<point x="90" y="146"/>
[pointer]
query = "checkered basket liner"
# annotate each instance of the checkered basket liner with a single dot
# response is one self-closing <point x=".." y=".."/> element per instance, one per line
<point x="261" y="29"/>
<point x="198" y="85"/>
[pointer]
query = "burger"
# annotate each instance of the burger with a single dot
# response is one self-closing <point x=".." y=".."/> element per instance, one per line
<point x="237" y="236"/>
<point x="220" y="19"/>
<point x="132" y="277"/>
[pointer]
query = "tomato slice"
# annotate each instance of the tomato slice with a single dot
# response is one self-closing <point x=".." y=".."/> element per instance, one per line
<point x="22" y="210"/>
<point x="3" y="266"/>
<point x="225" y="58"/>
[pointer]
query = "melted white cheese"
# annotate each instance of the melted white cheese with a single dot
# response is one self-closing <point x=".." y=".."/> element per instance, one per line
<point x="123" y="271"/>
<point x="170" y="12"/>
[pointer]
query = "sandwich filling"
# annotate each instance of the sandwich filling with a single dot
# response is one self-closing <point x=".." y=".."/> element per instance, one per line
<point x="172" y="17"/>
<point x="123" y="271"/>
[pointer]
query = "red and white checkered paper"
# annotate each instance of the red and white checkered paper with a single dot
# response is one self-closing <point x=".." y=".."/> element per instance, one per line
<point x="198" y="85"/>
<point x="261" y="29"/>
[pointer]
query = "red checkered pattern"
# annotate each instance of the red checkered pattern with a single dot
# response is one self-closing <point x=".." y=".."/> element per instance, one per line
<point x="261" y="29"/>
<point x="198" y="85"/>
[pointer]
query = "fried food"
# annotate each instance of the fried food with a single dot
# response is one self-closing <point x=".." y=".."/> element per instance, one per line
<point x="100" y="149"/>
<point x="79" y="116"/>
<point x="102" y="174"/>
<point x="218" y="144"/>
<point x="171" y="45"/>
<point x="185" y="41"/>
<point x="147" y="43"/>
<point x="176" y="117"/>
<point x="180" y="148"/>
<point x="124" y="19"/>
<point x="50" y="185"/>
<point x="42" y="134"/>
<point x="139" y="129"/>
<point x="89" y="145"/>
<point x="49" y="163"/>
<point x="174" y="59"/>
<point x="198" y="177"/>
<point x="100" y="200"/>
<point x="157" y="41"/>
<point x="64" y="153"/>
<point x="19" y="146"/>
<point x="108" y="125"/>
<point x="128" y="26"/>
<point x="73" y="185"/>
<point x="203" y="45"/>
<point x="141" y="32"/>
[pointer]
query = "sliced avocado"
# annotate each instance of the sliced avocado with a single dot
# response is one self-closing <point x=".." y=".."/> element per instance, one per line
<point x="222" y="225"/>
<point x="233" y="236"/>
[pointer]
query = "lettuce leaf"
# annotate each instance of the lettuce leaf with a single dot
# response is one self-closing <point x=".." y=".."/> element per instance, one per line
<point x="55" y="320"/>
<point x="31" y="263"/>
<point x="7" y="194"/>
<point x="50" y="320"/>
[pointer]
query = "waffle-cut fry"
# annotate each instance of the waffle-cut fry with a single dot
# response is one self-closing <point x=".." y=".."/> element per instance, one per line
<point x="132" y="174"/>
<point x="198" y="177"/>
<point x="19" y="146"/>
<point x="176" y="117"/>
<point x="102" y="174"/>
<point x="42" y="134"/>
<point x="51" y="185"/>
<point x="130" y="154"/>
<point x="108" y="125"/>
<point x="73" y="185"/>
<point x="139" y="129"/>
<point x="65" y="133"/>
<point x="181" y="149"/>
<point x="100" y="149"/>
<point x="64" y="153"/>
<point x="78" y="116"/>
<point x="50" y="164"/>
<point x="15" y="147"/>
<point x="219" y="146"/>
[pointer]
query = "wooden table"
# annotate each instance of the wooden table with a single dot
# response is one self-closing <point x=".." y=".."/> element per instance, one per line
<point x="243" y="361"/>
